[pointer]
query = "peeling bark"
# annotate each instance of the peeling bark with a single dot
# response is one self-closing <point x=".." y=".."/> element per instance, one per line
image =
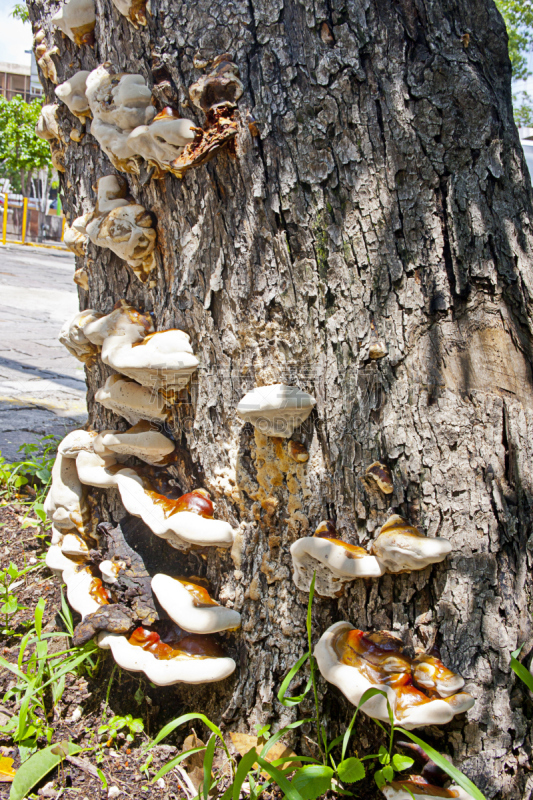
<point x="386" y="187"/>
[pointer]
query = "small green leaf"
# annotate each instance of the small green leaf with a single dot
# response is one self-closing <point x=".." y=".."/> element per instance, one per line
<point x="312" y="781"/>
<point x="36" y="768"/>
<point x="351" y="770"/>
<point x="11" y="607"/>
<point x="523" y="673"/>
<point x="379" y="778"/>
<point x="388" y="773"/>
<point x="384" y="757"/>
<point x="401" y="762"/>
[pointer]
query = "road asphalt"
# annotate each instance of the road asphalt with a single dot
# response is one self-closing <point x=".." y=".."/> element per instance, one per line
<point x="42" y="387"/>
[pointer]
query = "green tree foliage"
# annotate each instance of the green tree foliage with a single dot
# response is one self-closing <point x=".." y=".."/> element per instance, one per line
<point x="20" y="11"/>
<point x="518" y="17"/>
<point x="21" y="150"/>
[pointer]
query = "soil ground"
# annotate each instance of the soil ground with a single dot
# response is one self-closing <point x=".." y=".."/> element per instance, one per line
<point x="82" y="708"/>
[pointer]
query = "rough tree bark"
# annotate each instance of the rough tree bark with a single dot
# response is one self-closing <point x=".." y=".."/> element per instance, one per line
<point x="387" y="184"/>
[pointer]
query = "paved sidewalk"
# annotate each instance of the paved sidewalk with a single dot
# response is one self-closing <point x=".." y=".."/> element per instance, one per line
<point x="42" y="387"/>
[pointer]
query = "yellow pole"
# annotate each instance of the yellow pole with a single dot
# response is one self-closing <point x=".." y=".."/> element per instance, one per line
<point x="4" y="226"/>
<point x="63" y="229"/>
<point x="24" y="219"/>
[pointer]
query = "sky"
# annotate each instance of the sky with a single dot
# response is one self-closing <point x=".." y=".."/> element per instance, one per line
<point x="15" y="36"/>
<point x="518" y="86"/>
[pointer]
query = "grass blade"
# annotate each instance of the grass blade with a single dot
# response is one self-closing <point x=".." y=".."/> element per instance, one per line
<point x="293" y="701"/>
<point x="460" y="779"/>
<point x="175" y="761"/>
<point x="366" y="696"/>
<point x="208" y="763"/>
<point x="290" y="791"/>
<point x="245" y="765"/>
<point x="171" y="726"/>
<point x="39" y="611"/>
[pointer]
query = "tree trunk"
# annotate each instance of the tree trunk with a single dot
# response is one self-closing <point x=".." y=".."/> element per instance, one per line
<point x="386" y="186"/>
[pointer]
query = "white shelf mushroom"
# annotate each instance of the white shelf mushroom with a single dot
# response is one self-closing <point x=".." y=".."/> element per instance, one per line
<point x="162" y="360"/>
<point x="335" y="562"/>
<point x="182" y="668"/>
<point x="76" y="19"/>
<point x="191" y="607"/>
<point x="75" y="241"/>
<point x="141" y="441"/>
<point x="401" y="547"/>
<point x="276" y="410"/>
<point x="355" y="661"/>
<point x="43" y="55"/>
<point x="72" y="93"/>
<point x="126" y="124"/>
<point x="83" y="590"/>
<point x="119" y="103"/>
<point x="73" y="545"/>
<point x="128" y="399"/>
<point x="121" y="225"/>
<point x="64" y="504"/>
<point x="47" y="128"/>
<point x="134" y="10"/>
<point x="166" y="518"/>
<point x="163" y="140"/>
<point x="73" y="338"/>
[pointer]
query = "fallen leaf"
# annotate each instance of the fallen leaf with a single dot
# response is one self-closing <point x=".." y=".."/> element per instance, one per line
<point x="7" y="773"/>
<point x="194" y="765"/>
<point x="243" y="743"/>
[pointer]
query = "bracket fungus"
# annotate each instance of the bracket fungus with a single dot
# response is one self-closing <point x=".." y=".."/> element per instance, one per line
<point x="121" y="225"/>
<point x="335" y="562"/>
<point x="72" y="93"/>
<point x="128" y="399"/>
<point x="216" y="94"/>
<point x="119" y="103"/>
<point x="163" y="140"/>
<point x="401" y="547"/>
<point x="75" y="241"/>
<point x="64" y="503"/>
<point x="381" y="475"/>
<point x="355" y="661"/>
<point x="191" y="607"/>
<point x="194" y="658"/>
<point x="47" y="128"/>
<point x="134" y="10"/>
<point x="142" y="441"/>
<point x="189" y="660"/>
<point x="43" y="56"/>
<point x="128" y="127"/>
<point x="162" y="360"/>
<point x="73" y="338"/>
<point x="415" y="786"/>
<point x="276" y="410"/>
<point x="76" y="19"/>
<point x="184" y="522"/>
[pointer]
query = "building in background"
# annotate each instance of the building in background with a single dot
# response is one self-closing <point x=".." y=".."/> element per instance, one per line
<point x="19" y="79"/>
<point x="526" y="140"/>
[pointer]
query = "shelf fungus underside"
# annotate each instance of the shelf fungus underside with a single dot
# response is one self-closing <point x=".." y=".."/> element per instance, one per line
<point x="420" y="689"/>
